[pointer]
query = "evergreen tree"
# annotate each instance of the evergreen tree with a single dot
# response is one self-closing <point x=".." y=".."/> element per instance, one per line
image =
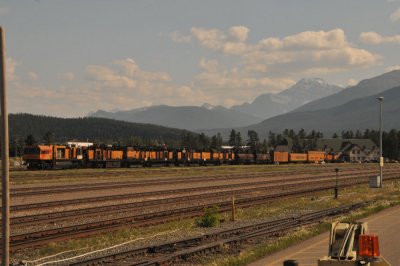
<point x="30" y="140"/>
<point x="271" y="139"/>
<point x="358" y="134"/>
<point x="253" y="139"/>
<point x="302" y="134"/>
<point x="239" y="139"/>
<point x="204" y="141"/>
<point x="232" y="138"/>
<point x="214" y="143"/>
<point x="220" y="141"/>
<point x="49" y="138"/>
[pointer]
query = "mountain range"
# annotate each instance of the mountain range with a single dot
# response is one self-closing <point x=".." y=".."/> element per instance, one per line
<point x="183" y="117"/>
<point x="353" y="108"/>
<point x="305" y="91"/>
<point x="363" y="88"/>
<point x="209" y="117"/>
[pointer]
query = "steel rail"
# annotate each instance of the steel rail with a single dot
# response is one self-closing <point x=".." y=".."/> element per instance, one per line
<point x="137" y="206"/>
<point x="20" y="192"/>
<point x="183" y="249"/>
<point x="45" y="236"/>
<point x="97" y="199"/>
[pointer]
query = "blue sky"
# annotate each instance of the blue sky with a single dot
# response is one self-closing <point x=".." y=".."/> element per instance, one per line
<point x="67" y="58"/>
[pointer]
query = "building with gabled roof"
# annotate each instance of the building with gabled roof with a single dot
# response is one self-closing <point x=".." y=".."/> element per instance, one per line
<point x="350" y="150"/>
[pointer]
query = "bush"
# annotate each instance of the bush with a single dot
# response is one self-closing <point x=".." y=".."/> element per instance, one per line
<point x="210" y="217"/>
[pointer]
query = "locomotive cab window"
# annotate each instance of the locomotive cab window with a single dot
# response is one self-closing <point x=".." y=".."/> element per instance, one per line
<point x="60" y="153"/>
<point x="31" y="150"/>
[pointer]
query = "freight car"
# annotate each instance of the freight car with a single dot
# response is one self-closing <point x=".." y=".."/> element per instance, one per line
<point x="64" y="156"/>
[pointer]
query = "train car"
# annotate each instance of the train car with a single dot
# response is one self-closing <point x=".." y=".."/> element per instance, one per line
<point x="195" y="157"/>
<point x="216" y="157"/>
<point x="263" y="158"/>
<point x="315" y="156"/>
<point x="52" y="157"/>
<point x="66" y="156"/>
<point x="332" y="157"/>
<point x="244" y="158"/>
<point x="280" y="157"/>
<point x="103" y="157"/>
<point x="62" y="156"/>
<point x="157" y="157"/>
<point x="298" y="157"/>
<point x="131" y="157"/>
<point x="38" y="157"/>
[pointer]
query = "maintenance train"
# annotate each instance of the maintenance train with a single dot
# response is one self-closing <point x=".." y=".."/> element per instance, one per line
<point x="67" y="156"/>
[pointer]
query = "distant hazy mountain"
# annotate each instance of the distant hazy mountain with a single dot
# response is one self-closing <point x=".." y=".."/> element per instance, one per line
<point x="359" y="114"/>
<point x="303" y="92"/>
<point x="358" y="108"/>
<point x="183" y="117"/>
<point x="364" y="88"/>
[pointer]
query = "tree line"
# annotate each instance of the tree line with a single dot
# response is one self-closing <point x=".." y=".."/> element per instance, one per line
<point x="26" y="130"/>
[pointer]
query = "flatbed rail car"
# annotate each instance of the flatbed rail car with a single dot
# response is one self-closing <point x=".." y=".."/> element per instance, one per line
<point x="64" y="156"/>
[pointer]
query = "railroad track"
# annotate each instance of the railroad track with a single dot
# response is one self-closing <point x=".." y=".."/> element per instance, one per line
<point x="42" y="237"/>
<point x="175" y="251"/>
<point x="97" y="199"/>
<point x="145" y="205"/>
<point x="137" y="206"/>
<point x="21" y="192"/>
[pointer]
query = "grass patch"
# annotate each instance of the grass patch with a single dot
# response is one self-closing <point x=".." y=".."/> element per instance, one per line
<point x="389" y="197"/>
<point x="210" y="218"/>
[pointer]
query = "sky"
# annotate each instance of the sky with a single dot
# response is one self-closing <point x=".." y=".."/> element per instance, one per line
<point x="68" y="58"/>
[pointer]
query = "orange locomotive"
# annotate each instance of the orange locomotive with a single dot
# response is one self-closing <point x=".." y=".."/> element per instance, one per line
<point x="53" y="156"/>
<point x="64" y="156"/>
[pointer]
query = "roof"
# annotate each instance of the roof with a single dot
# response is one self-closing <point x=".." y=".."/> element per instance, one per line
<point x="338" y="144"/>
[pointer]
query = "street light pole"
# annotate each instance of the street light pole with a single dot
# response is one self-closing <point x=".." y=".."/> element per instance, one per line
<point x="380" y="141"/>
<point x="5" y="212"/>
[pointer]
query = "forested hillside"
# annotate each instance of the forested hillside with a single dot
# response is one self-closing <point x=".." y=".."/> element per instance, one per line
<point x="98" y="130"/>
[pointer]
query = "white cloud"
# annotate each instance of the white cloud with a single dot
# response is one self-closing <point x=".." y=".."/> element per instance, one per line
<point x="33" y="76"/>
<point x="108" y="77"/>
<point x="309" y="52"/>
<point x="178" y="37"/>
<point x="375" y="38"/>
<point x="69" y="76"/>
<point x="126" y="85"/>
<point x="208" y="65"/>
<point x="239" y="33"/>
<point x="334" y="39"/>
<point x="209" y="38"/>
<point x="130" y="68"/>
<point x="395" y="16"/>
<point x="269" y="65"/>
<point x="391" y="68"/>
<point x="233" y="86"/>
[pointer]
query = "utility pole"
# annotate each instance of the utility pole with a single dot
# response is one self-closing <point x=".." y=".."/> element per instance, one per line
<point x="5" y="213"/>
<point x="337" y="184"/>
<point x="380" y="141"/>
